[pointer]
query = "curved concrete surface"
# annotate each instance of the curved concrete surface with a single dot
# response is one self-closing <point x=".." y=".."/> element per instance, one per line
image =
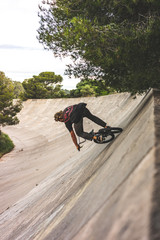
<point x="49" y="190"/>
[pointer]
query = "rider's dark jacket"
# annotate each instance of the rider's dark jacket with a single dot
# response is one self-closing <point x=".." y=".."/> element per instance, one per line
<point x="73" y="114"/>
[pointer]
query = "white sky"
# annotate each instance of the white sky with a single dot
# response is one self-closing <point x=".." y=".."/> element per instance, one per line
<point x="21" y="55"/>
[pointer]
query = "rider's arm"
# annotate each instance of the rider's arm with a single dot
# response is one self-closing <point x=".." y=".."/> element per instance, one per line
<point x="74" y="139"/>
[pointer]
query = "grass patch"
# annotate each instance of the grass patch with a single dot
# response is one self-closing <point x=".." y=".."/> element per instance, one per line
<point x="6" y="144"/>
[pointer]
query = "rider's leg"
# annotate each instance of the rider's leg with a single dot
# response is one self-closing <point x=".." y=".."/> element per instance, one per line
<point x="79" y="131"/>
<point x="93" y="118"/>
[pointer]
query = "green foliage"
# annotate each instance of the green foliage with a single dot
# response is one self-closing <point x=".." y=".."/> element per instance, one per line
<point x="8" y="109"/>
<point x="45" y="85"/>
<point x="18" y="89"/>
<point x="89" y="87"/>
<point x="6" y="144"/>
<point x="115" y="41"/>
<point x="87" y="91"/>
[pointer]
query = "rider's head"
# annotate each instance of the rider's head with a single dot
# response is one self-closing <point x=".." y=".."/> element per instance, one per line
<point x="58" y="117"/>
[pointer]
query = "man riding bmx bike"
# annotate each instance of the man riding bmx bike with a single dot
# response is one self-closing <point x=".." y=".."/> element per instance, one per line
<point x="74" y="115"/>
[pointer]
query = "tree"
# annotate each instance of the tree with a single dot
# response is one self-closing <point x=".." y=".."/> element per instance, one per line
<point x="87" y="91"/>
<point x="96" y="88"/>
<point x="8" y="109"/>
<point x="115" y="41"/>
<point x="18" y="89"/>
<point x="90" y="87"/>
<point x="45" y="85"/>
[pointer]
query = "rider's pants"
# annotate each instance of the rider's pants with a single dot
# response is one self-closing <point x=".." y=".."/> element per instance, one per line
<point x="79" y="126"/>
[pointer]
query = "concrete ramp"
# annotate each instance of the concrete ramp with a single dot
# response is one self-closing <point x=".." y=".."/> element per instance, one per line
<point x="49" y="190"/>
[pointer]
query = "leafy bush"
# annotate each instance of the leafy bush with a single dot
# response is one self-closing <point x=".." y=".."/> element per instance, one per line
<point x="6" y="144"/>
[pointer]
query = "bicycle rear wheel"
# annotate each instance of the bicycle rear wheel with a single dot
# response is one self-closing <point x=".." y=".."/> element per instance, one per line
<point x="105" y="138"/>
<point x="116" y="130"/>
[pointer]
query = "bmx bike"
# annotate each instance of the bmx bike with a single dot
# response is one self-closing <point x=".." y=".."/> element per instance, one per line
<point x="106" y="135"/>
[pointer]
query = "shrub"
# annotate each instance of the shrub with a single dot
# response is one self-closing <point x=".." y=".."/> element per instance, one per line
<point x="6" y="144"/>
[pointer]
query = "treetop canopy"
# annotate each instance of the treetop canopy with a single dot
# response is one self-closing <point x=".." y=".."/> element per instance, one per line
<point x="117" y="41"/>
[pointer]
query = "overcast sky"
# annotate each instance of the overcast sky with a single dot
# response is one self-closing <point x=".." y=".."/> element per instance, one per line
<point x="21" y="55"/>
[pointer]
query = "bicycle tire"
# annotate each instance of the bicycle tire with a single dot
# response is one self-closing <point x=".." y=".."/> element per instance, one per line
<point x="116" y="130"/>
<point x="106" y="138"/>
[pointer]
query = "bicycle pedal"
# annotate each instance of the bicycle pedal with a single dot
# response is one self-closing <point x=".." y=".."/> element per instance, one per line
<point x="92" y="132"/>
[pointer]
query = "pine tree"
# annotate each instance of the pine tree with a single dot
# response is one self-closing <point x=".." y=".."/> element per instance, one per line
<point x="45" y="85"/>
